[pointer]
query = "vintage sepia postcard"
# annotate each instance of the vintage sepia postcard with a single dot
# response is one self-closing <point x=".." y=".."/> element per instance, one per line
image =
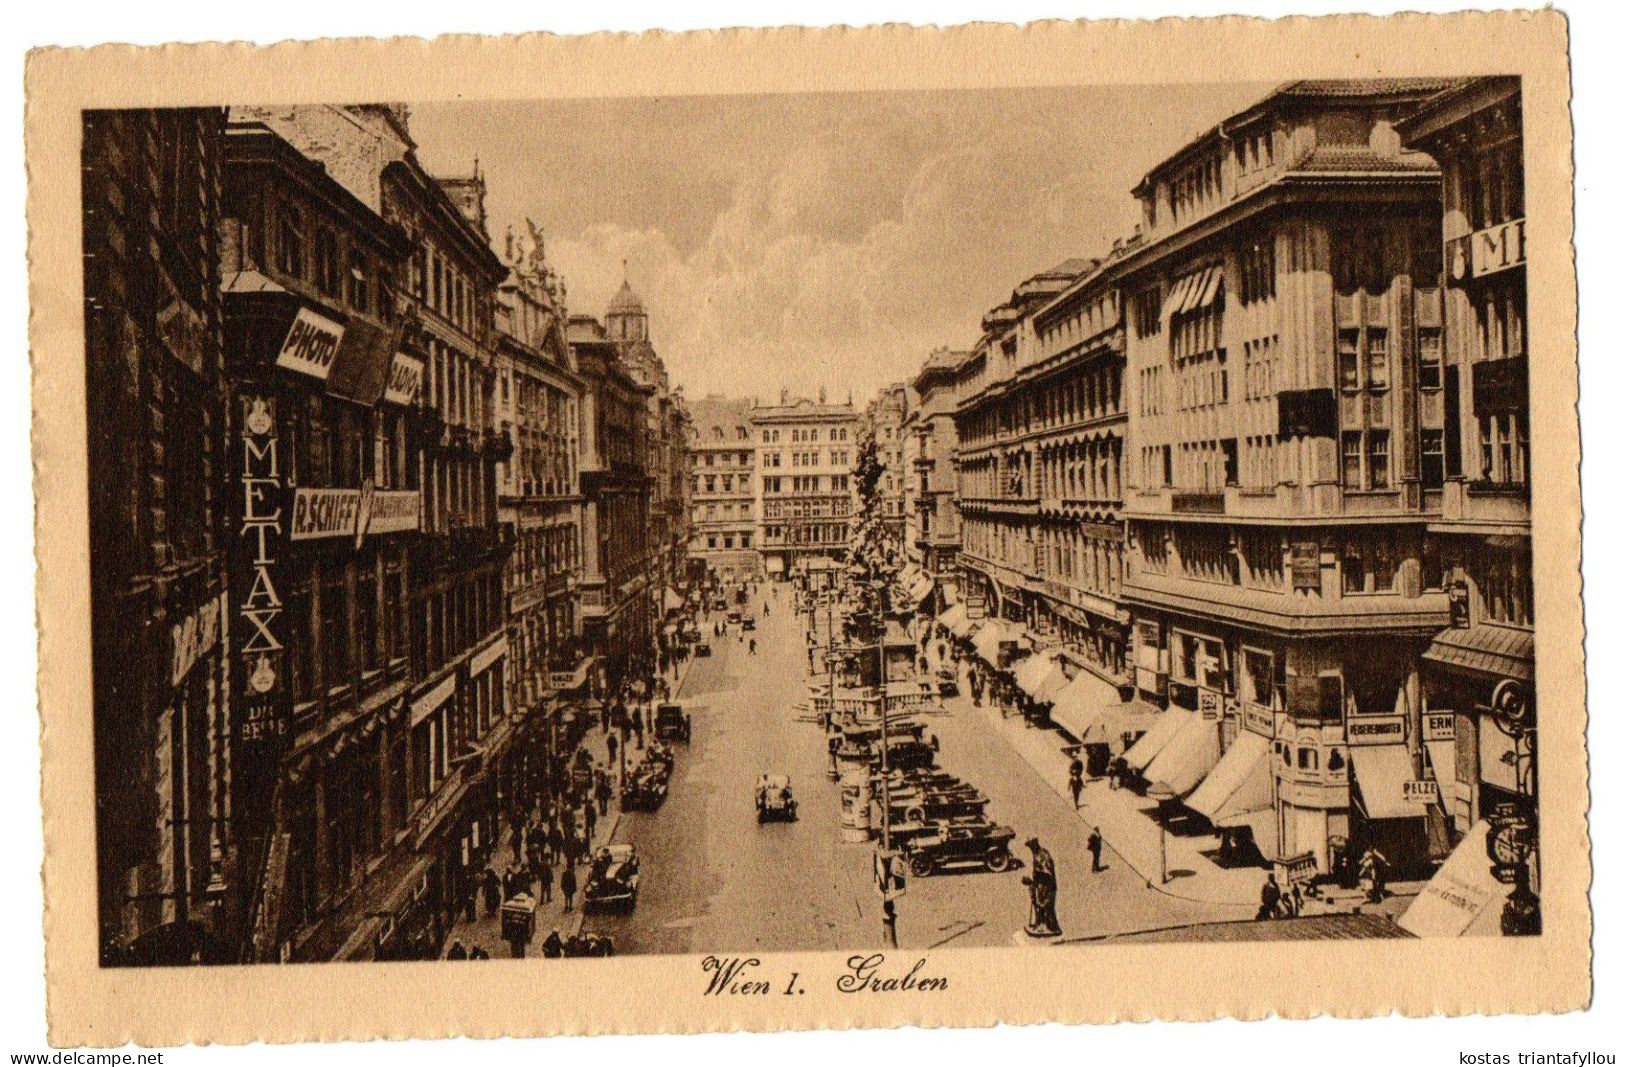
<point x="797" y="529"/>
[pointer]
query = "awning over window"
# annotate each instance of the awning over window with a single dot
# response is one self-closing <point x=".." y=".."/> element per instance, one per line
<point x="1082" y="703"/>
<point x="1238" y="787"/>
<point x="1051" y="685"/>
<point x="1463" y="898"/>
<point x="953" y="618"/>
<point x="1187" y="757"/>
<point x="987" y="641"/>
<point x="1157" y="736"/>
<point x="921" y="589"/>
<point x="1194" y="291"/>
<point x="1380" y="774"/>
<point x="1487" y="649"/>
<point x="1030" y="671"/>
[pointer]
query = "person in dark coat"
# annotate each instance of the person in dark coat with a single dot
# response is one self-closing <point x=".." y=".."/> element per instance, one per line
<point x="553" y="946"/>
<point x="555" y="841"/>
<point x="567" y="885"/>
<point x="1269" y="898"/>
<point x="591" y="814"/>
<point x="544" y="877"/>
<point x="479" y="954"/>
<point x="1074" y="782"/>
<point x="493" y="892"/>
<point x="1096" y="842"/>
<point x="612" y="744"/>
<point x="471" y="901"/>
<point x="457" y="951"/>
<point x="604" y="791"/>
<point x="637" y="725"/>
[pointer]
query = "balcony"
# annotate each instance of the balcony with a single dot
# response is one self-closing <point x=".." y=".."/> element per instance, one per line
<point x="1325" y="501"/>
<point x="1282" y="611"/>
<point x="1486" y="503"/>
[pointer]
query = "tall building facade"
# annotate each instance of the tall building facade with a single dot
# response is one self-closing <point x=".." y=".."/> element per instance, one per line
<point x="156" y="388"/>
<point x="932" y="500"/>
<point x="805" y="451"/>
<point x="1479" y="726"/>
<point x="1282" y="313"/>
<point x="723" y="490"/>
<point x="884" y="418"/>
<point x="616" y="542"/>
<point x="537" y="407"/>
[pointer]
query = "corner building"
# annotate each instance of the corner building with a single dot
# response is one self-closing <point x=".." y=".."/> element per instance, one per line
<point x="1283" y="319"/>
<point x="723" y="489"/>
<point x="805" y="450"/>
<point x="1478" y="675"/>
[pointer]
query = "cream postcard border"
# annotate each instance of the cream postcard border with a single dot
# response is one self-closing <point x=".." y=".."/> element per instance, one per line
<point x="92" y="1006"/>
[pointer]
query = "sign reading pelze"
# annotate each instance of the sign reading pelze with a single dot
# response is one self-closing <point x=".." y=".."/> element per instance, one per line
<point x="311" y="345"/>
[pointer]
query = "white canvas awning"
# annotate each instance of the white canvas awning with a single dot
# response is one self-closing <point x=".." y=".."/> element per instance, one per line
<point x="1463" y="898"/>
<point x="1238" y="787"/>
<point x="1188" y="756"/>
<point x="1157" y="736"/>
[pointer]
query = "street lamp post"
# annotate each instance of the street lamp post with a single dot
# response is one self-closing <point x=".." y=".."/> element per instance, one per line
<point x="1162" y="793"/>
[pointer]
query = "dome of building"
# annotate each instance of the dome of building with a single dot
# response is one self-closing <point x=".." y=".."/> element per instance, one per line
<point x="625" y="302"/>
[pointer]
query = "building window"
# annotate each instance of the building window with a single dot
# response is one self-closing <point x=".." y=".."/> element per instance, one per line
<point x="1376" y="351"/>
<point x="1348" y="359"/>
<point x="1376" y="456"/>
<point x="290" y="242"/>
<point x="1353" y="477"/>
<point x="1430" y="358"/>
<point x="1432" y="443"/>
<point x="327" y="262"/>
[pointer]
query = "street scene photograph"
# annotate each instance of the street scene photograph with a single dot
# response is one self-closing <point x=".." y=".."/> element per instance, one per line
<point x="811" y="522"/>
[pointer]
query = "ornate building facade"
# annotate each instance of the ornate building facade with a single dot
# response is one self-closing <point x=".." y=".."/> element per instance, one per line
<point x="722" y="486"/>
<point x="805" y="451"/>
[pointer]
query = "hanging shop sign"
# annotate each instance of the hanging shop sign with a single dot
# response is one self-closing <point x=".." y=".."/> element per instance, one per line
<point x="1375" y="729"/>
<point x="405" y="378"/>
<point x="1306" y="566"/>
<point x="192" y="638"/>
<point x="256" y="597"/>
<point x="311" y="345"/>
<point x="323" y="513"/>
<point x="1209" y="704"/>
<point x="1258" y="719"/>
<point x="1439" y="726"/>
<point x="1485" y="252"/>
<point x="1422" y="793"/>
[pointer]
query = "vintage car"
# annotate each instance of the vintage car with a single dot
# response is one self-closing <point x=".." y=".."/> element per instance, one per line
<point x="957" y="842"/>
<point x="646" y="786"/>
<point x="702" y="648"/>
<point x="774" y="799"/>
<point x="672" y="723"/>
<point x="934" y="805"/>
<point x="613" y="880"/>
<point x="748" y="622"/>
<point x="904" y="753"/>
<point x="947" y="683"/>
<point x="735" y="617"/>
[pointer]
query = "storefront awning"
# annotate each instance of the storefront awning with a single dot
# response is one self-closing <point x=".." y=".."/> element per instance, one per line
<point x="1030" y="670"/>
<point x="1051" y="685"/>
<point x="921" y="589"/>
<point x="1082" y="703"/>
<point x="952" y="618"/>
<point x="1463" y="898"/>
<point x="1495" y="651"/>
<point x="1238" y="787"/>
<point x="987" y="641"/>
<point x="1188" y="756"/>
<point x="1157" y="736"/>
<point x="1442" y="754"/>
<point x="1380" y="774"/>
<point x="673" y="601"/>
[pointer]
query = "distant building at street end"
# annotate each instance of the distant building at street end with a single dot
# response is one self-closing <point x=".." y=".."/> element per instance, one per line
<point x="722" y="488"/>
<point x="805" y="450"/>
<point x="884" y="419"/>
<point x="931" y="476"/>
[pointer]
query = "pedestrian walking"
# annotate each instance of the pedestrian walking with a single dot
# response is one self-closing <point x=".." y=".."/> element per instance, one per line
<point x="544" y="879"/>
<point x="591" y="814"/>
<point x="493" y="892"/>
<point x="471" y="901"/>
<point x="637" y="726"/>
<point x="1269" y="898"/>
<point x="1095" y="844"/>
<point x="1075" y="782"/>
<point x="753" y="646"/>
<point x="1373" y="872"/>
<point x="1297" y="898"/>
<point x="567" y="885"/>
<point x="603" y="792"/>
<point x="457" y="951"/>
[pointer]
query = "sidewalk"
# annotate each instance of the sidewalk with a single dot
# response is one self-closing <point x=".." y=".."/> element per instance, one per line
<point x="486" y="931"/>
<point x="1127" y="825"/>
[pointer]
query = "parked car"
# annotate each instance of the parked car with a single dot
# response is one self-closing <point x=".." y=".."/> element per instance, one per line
<point x="672" y="723"/>
<point x="774" y="799"/>
<point x="613" y="880"/>
<point x="748" y="622"/>
<point x="947" y="683"/>
<point x="956" y="843"/>
<point x="735" y="618"/>
<point x="702" y="648"/>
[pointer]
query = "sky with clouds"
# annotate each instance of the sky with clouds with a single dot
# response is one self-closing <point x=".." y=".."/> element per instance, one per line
<point x="818" y="239"/>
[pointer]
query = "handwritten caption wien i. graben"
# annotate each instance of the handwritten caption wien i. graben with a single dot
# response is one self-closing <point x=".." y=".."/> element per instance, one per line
<point x="744" y="976"/>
